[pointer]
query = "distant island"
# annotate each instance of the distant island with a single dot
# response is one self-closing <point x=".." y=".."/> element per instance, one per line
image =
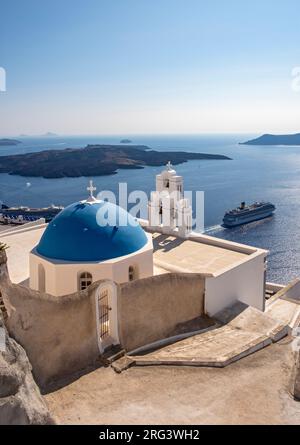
<point x="49" y="135"/>
<point x="271" y="139"/>
<point x="125" y="141"/>
<point x="93" y="160"/>
<point x="8" y="142"/>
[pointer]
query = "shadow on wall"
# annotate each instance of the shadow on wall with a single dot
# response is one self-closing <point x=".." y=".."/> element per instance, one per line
<point x="155" y="308"/>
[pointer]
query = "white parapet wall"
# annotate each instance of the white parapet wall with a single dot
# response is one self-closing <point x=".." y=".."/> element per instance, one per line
<point x="245" y="282"/>
<point x="12" y="229"/>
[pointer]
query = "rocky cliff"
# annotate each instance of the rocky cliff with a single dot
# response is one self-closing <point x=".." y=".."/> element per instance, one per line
<point x="20" y="400"/>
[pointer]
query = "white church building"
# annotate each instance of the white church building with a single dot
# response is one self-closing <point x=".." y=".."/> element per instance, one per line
<point x="93" y="240"/>
<point x="88" y="241"/>
<point x="95" y="277"/>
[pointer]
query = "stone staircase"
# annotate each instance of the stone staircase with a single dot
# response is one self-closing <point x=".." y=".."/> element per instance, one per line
<point x="240" y="330"/>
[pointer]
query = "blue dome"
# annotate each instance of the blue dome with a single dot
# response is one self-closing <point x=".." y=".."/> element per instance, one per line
<point x="79" y="233"/>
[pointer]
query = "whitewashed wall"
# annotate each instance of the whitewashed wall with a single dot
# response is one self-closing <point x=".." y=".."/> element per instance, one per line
<point x="243" y="283"/>
<point x="62" y="278"/>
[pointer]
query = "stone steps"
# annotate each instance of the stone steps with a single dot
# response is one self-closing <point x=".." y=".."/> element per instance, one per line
<point x="217" y="349"/>
<point x="113" y="354"/>
<point x="242" y="331"/>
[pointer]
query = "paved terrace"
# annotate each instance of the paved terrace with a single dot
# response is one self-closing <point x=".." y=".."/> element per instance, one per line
<point x="251" y="391"/>
<point x="193" y="256"/>
<point x="20" y="242"/>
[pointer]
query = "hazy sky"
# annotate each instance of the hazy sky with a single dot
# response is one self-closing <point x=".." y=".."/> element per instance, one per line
<point x="141" y="66"/>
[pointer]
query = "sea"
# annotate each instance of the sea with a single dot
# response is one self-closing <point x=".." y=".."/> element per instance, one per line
<point x="255" y="173"/>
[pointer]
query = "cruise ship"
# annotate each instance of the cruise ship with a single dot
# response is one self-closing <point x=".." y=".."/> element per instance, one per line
<point x="248" y="213"/>
<point x="22" y="215"/>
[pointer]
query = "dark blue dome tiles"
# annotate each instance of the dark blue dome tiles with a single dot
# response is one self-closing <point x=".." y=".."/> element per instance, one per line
<point x="81" y="233"/>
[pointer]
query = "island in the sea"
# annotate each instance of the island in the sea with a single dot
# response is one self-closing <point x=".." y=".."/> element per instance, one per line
<point x="93" y="160"/>
<point x="125" y="141"/>
<point x="49" y="135"/>
<point x="9" y="142"/>
<point x="272" y="139"/>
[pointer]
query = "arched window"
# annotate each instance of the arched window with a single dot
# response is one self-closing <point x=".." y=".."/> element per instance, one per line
<point x="132" y="273"/>
<point x="85" y="280"/>
<point x="41" y="278"/>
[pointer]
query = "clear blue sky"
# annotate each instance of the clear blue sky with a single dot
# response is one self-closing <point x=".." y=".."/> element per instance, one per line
<point x="140" y="66"/>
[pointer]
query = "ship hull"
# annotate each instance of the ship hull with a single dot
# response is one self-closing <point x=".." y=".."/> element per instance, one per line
<point x="246" y="219"/>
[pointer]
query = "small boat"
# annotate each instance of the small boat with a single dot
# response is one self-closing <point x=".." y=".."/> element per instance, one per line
<point x="248" y="213"/>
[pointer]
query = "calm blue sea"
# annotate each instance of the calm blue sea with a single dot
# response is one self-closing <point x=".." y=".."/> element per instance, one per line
<point x="255" y="173"/>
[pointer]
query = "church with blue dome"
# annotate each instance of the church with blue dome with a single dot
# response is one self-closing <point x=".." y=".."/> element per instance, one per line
<point x="89" y="241"/>
<point x="103" y="282"/>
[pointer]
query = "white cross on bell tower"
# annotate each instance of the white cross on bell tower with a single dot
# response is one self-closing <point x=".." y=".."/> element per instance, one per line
<point x="169" y="166"/>
<point x="91" y="189"/>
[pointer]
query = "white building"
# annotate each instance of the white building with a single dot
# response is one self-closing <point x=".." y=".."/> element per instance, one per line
<point x="92" y="240"/>
<point x="141" y="284"/>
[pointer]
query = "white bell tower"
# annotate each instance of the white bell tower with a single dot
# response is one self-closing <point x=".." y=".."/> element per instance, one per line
<point x="169" y="212"/>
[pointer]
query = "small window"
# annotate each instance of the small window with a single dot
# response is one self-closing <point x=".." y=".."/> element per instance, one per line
<point x="132" y="273"/>
<point x="85" y="280"/>
<point x="167" y="184"/>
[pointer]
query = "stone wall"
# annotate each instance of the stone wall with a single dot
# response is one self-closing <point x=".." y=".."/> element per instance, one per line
<point x="151" y="309"/>
<point x="20" y="400"/>
<point x="60" y="334"/>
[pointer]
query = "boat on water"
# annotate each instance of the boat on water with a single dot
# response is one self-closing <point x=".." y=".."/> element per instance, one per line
<point x="245" y="214"/>
<point x="22" y="215"/>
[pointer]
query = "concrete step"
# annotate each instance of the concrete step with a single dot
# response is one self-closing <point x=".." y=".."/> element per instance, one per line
<point x="286" y="312"/>
<point x="217" y="348"/>
<point x="249" y="319"/>
<point x="112" y="354"/>
<point x="243" y="330"/>
<point x="122" y="364"/>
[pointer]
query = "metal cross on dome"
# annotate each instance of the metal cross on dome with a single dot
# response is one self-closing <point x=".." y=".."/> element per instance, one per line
<point x="91" y="189"/>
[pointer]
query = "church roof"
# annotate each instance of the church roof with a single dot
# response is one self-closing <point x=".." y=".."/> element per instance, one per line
<point x="91" y="231"/>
